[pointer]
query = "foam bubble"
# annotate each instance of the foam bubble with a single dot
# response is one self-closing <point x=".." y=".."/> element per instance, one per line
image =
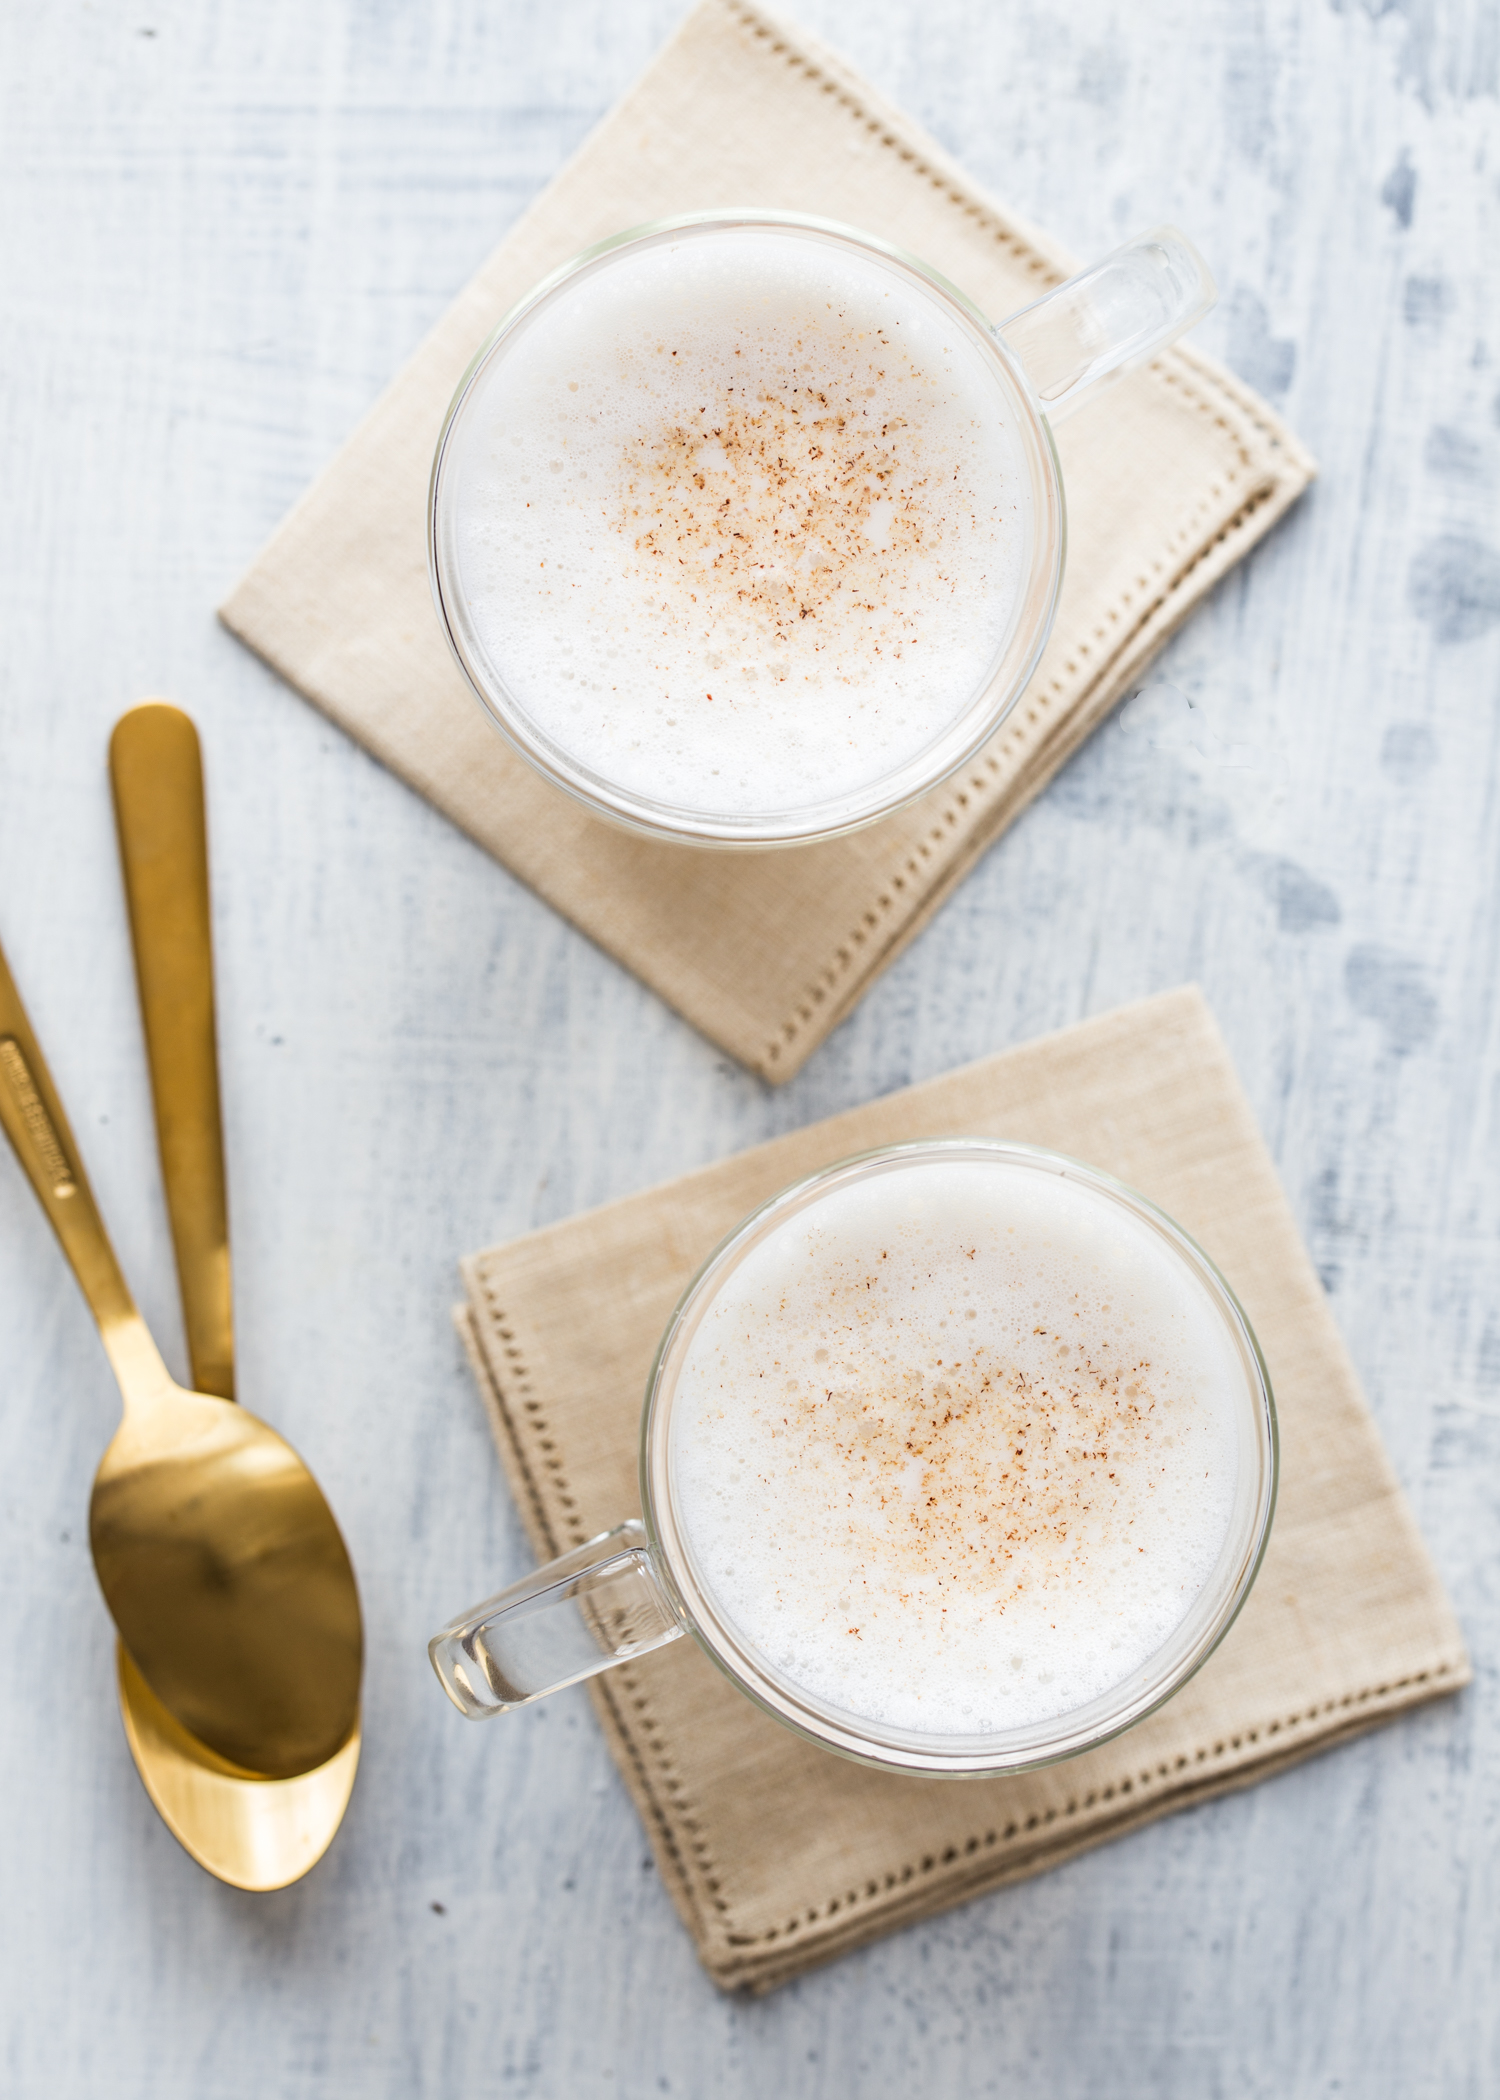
<point x="956" y="1450"/>
<point x="742" y="521"/>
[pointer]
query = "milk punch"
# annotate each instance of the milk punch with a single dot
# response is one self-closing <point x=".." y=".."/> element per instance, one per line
<point x="957" y="1458"/>
<point x="747" y="528"/>
<point x="744" y="523"/>
<point x="955" y="1450"/>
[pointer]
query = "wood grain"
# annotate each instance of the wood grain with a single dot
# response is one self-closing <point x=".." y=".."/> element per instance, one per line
<point x="223" y="230"/>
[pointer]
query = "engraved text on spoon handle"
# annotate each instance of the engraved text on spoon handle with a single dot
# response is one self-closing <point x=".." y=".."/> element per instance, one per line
<point x="37" y="1127"/>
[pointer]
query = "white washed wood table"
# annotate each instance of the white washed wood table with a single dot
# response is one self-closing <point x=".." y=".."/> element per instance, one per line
<point x="220" y="232"/>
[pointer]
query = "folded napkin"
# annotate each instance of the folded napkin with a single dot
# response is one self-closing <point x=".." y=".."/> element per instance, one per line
<point x="1171" y="477"/>
<point x="779" y="1854"/>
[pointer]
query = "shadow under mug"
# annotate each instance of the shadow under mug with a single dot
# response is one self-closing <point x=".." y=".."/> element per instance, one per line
<point x="637" y="1587"/>
<point x="1045" y="360"/>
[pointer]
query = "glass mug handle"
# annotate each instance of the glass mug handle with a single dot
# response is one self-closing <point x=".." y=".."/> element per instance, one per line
<point x="1115" y="315"/>
<point x="601" y="1604"/>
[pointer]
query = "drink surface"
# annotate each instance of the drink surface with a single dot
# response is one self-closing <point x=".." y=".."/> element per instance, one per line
<point x="955" y="1450"/>
<point x="742" y="520"/>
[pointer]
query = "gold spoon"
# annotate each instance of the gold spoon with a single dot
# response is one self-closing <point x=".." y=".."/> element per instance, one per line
<point x="252" y="1832"/>
<point x="219" y="1559"/>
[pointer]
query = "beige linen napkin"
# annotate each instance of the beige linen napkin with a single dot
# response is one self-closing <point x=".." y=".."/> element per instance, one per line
<point x="1171" y="478"/>
<point x="779" y="1854"/>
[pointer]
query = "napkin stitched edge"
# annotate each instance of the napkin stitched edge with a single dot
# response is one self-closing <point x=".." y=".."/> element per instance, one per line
<point x="627" y="1757"/>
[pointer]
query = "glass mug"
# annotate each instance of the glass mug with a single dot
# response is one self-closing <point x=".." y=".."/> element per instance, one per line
<point x="1037" y="366"/>
<point x="642" y="1585"/>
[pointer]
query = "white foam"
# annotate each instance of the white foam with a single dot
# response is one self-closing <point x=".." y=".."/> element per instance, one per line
<point x="742" y="522"/>
<point x="956" y="1450"/>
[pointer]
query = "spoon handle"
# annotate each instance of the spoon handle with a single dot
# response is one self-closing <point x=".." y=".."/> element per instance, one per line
<point x="156" y="770"/>
<point x="38" y="1129"/>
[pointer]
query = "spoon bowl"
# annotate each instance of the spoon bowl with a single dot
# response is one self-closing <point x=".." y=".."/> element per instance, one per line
<point x="218" y="1556"/>
<point x="226" y="1575"/>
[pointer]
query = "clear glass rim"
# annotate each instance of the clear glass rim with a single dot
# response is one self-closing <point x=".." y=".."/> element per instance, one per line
<point x="972" y="728"/>
<point x="1041" y="1743"/>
